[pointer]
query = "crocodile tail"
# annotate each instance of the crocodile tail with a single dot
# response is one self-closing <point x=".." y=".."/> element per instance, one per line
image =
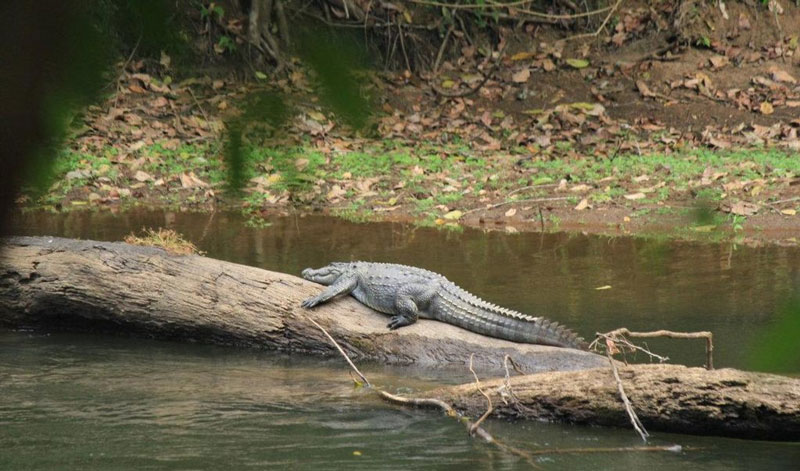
<point x="547" y="332"/>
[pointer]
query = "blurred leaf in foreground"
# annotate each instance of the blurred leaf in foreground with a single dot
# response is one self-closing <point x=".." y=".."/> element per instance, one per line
<point x="775" y="349"/>
<point x="334" y="60"/>
<point x="262" y="107"/>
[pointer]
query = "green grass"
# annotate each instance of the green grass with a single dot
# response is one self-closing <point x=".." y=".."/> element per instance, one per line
<point x="675" y="167"/>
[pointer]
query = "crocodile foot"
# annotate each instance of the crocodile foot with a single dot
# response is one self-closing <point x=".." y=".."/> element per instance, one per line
<point x="310" y="302"/>
<point x="398" y="321"/>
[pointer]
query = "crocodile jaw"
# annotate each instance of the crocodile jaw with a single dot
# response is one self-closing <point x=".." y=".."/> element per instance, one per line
<point x="324" y="276"/>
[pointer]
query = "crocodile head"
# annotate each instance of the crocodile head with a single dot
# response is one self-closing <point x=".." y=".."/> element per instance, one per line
<point x="327" y="274"/>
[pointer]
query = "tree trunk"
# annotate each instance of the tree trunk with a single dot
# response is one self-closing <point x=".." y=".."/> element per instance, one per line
<point x="670" y="398"/>
<point x="55" y="283"/>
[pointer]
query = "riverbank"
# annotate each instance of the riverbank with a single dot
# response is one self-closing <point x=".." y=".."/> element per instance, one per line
<point x="702" y="144"/>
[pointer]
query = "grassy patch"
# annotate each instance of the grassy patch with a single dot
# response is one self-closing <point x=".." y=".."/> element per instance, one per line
<point x="166" y="239"/>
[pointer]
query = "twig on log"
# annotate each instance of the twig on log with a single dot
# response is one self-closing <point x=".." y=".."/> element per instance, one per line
<point x="489" y="407"/>
<point x="336" y="344"/>
<point x="474" y="429"/>
<point x="637" y="424"/>
<point x="622" y="331"/>
<point x="615" y="341"/>
<point x="506" y="390"/>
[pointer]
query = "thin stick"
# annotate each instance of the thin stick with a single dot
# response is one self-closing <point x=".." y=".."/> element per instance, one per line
<point x="341" y="350"/>
<point x="441" y="49"/>
<point x="617" y="339"/>
<point x="495" y="5"/>
<point x="489" y="407"/>
<point x="530" y="187"/>
<point x="486" y="77"/>
<point x="788" y="200"/>
<point x="125" y="66"/>
<point x="637" y="425"/>
<point x="191" y="92"/>
<point x="473" y="429"/>
<point x="602" y="26"/>
<point x="675" y="335"/>
<point x="532" y="200"/>
<point x="624" y="449"/>
<point x="403" y="46"/>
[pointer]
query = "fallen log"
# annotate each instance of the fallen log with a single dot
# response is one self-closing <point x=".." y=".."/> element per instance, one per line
<point x="670" y="398"/>
<point x="55" y="283"/>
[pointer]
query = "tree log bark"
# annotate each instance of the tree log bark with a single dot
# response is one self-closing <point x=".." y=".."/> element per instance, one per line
<point x="671" y="398"/>
<point x="55" y="283"/>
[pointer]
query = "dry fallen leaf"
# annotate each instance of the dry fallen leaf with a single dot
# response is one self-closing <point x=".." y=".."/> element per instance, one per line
<point x="766" y="108"/>
<point x="141" y="176"/>
<point x="511" y="212"/>
<point x="644" y="89"/>
<point x="335" y="192"/>
<point x="522" y="76"/>
<point x="635" y="196"/>
<point x="582" y="205"/>
<point x="602" y="288"/>
<point x="580" y="188"/>
<point x="743" y="208"/>
<point x="190" y="180"/>
<point x="578" y="63"/>
<point x="788" y="212"/>
<point x="718" y="62"/>
<point x="521" y="56"/>
<point x="782" y="76"/>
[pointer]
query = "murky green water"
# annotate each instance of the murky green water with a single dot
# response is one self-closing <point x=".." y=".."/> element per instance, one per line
<point x="85" y="402"/>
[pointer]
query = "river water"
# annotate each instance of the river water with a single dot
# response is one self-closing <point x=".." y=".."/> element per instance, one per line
<point x="77" y="401"/>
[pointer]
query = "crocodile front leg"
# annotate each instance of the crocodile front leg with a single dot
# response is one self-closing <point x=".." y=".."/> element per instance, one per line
<point x="409" y="300"/>
<point x="343" y="285"/>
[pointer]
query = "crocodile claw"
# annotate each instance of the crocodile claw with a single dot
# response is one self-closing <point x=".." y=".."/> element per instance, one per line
<point x="310" y="302"/>
<point x="396" y="322"/>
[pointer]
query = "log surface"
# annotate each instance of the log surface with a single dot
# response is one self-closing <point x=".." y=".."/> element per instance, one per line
<point x="56" y="283"/>
<point x="670" y="398"/>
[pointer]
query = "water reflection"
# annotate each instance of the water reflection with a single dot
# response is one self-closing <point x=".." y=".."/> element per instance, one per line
<point x="85" y="402"/>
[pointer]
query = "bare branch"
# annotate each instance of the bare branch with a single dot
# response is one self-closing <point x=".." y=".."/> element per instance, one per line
<point x="637" y="424"/>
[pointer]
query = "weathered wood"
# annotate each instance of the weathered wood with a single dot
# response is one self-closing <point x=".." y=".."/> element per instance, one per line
<point x="55" y="283"/>
<point x="671" y="398"/>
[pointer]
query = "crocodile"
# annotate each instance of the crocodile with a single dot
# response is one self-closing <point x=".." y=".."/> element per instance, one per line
<point x="408" y="293"/>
